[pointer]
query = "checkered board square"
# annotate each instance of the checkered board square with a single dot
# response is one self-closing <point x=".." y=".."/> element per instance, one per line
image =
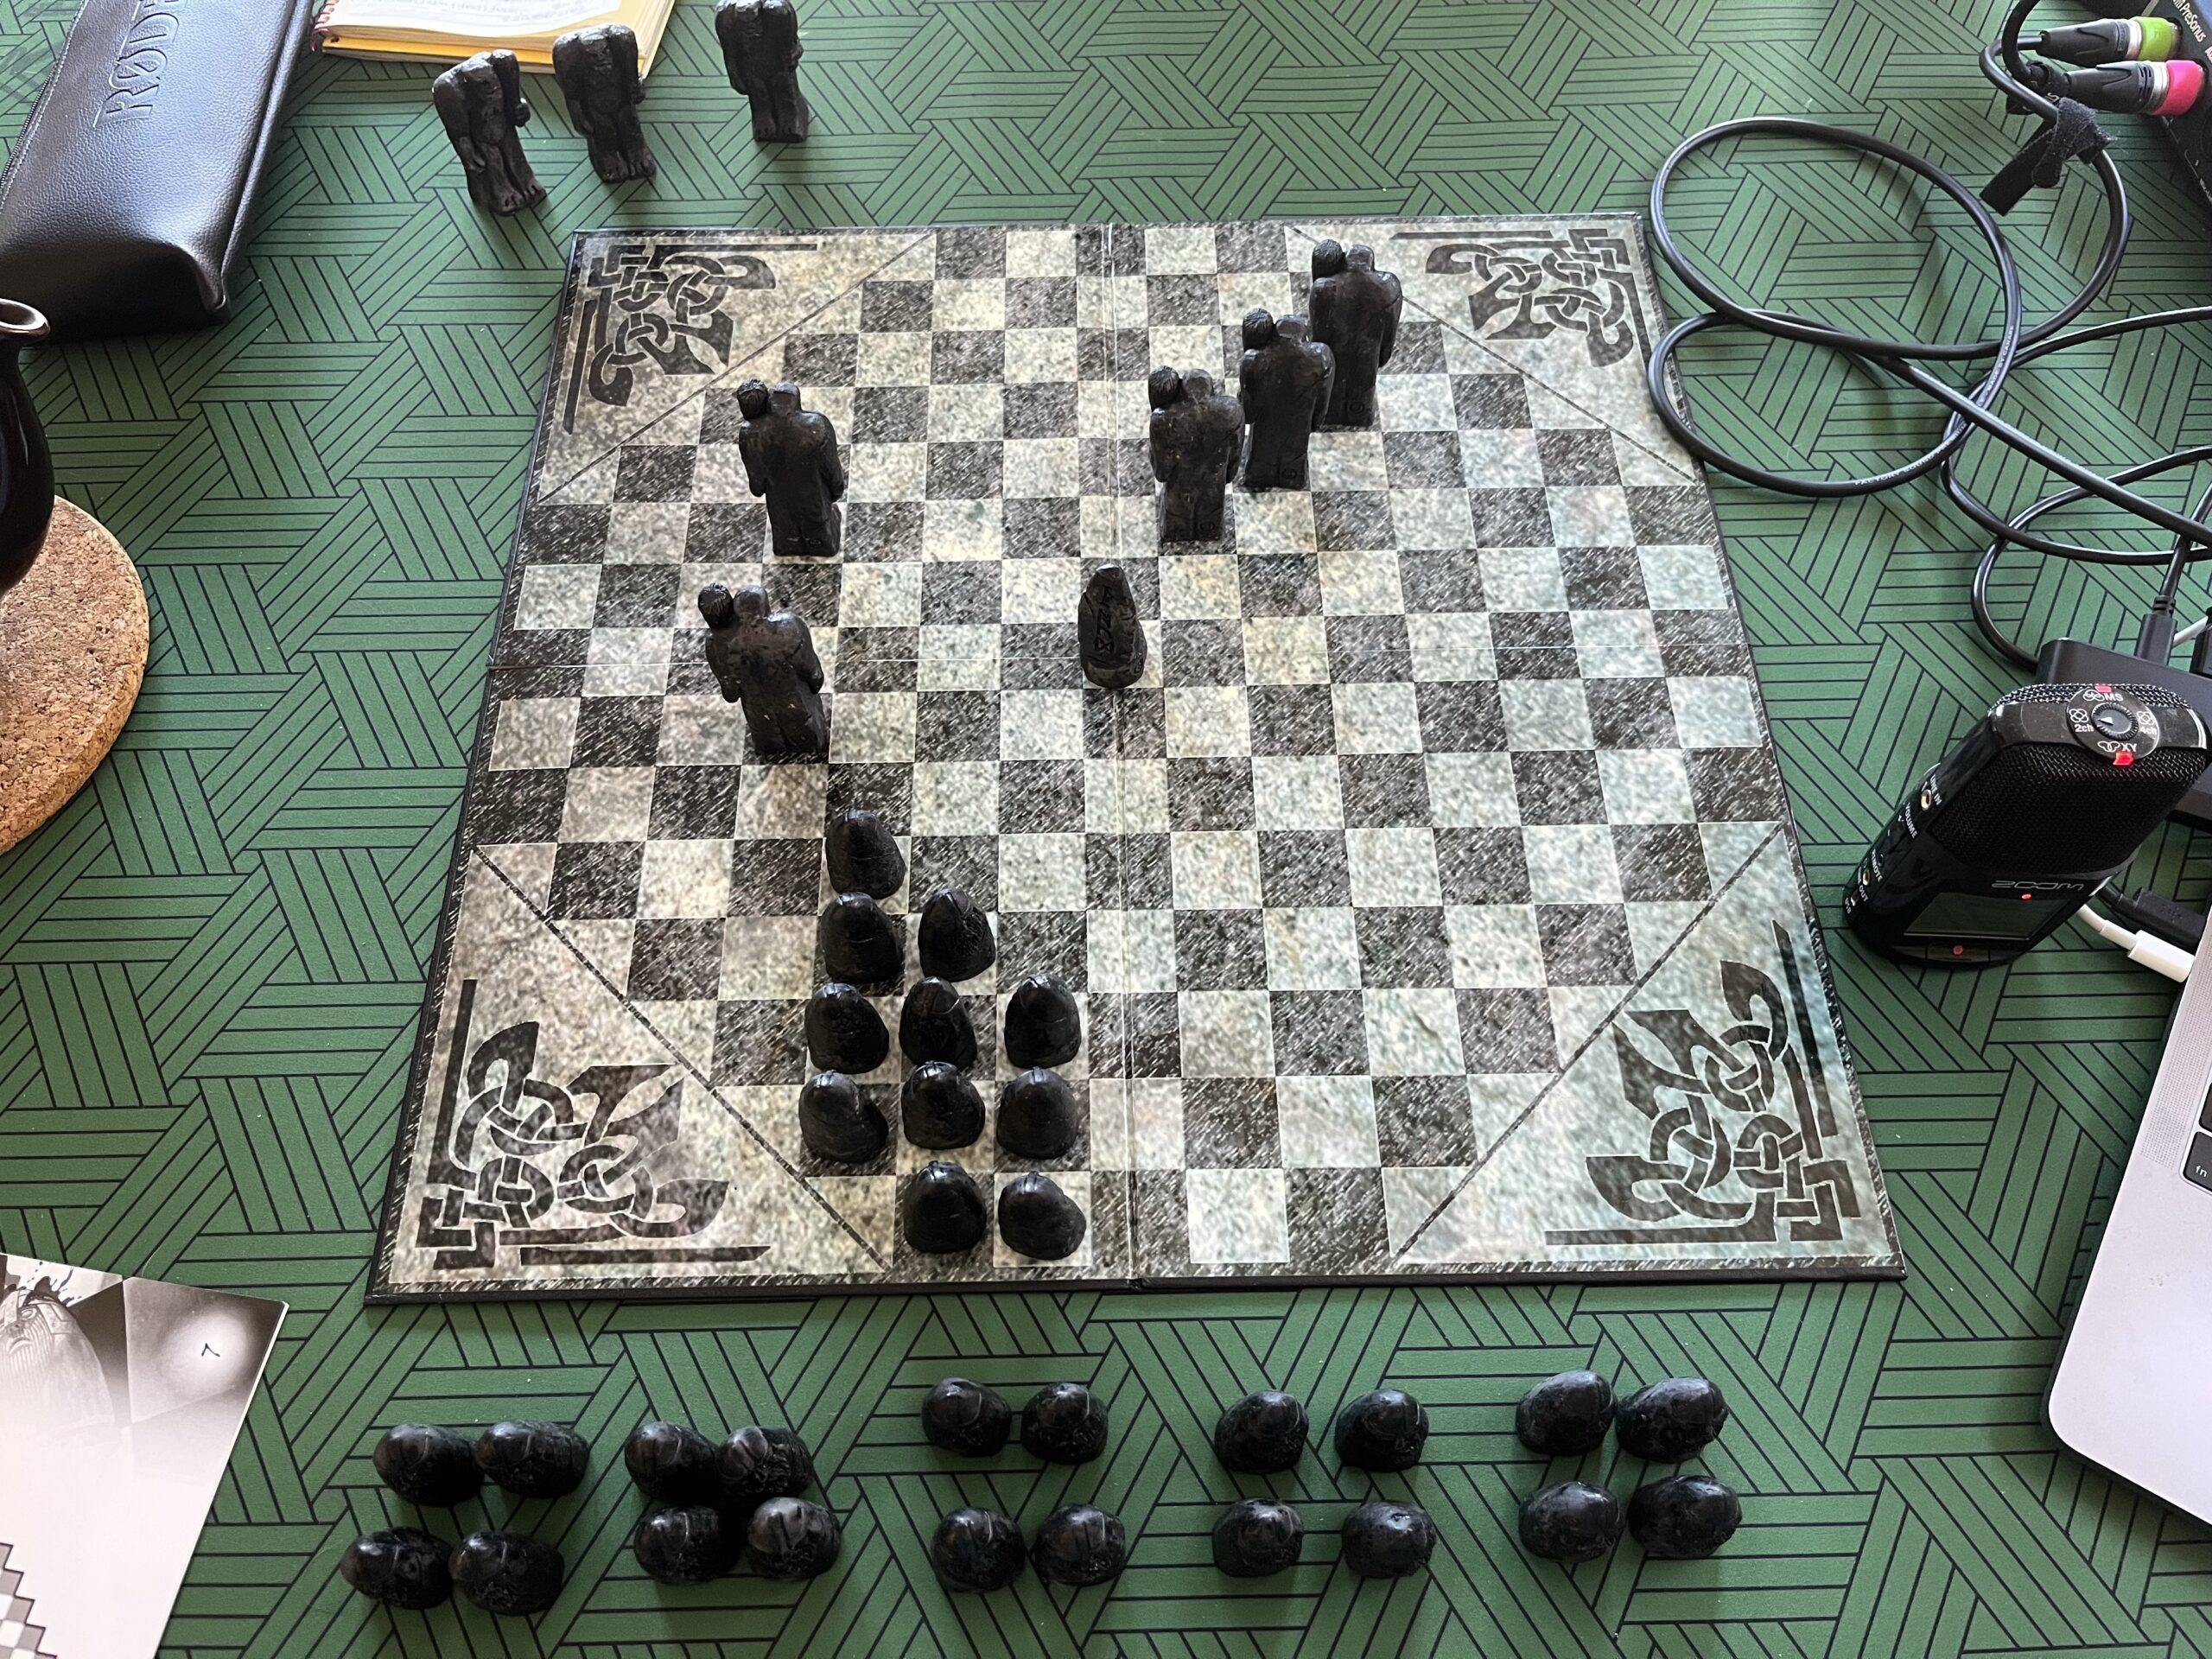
<point x="21" y="1635"/>
<point x="1431" y="902"/>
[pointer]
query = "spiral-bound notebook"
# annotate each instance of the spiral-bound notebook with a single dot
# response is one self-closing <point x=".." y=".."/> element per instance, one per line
<point x="445" y="31"/>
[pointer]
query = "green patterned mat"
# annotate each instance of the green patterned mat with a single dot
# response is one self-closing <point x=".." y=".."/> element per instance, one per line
<point x="211" y="965"/>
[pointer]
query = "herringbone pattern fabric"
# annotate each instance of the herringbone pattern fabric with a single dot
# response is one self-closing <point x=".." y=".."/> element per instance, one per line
<point x="211" y="964"/>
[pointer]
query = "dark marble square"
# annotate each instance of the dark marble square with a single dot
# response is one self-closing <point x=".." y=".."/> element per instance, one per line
<point x="1302" y="867"/>
<point x="1585" y="944"/>
<point x="1042" y="529"/>
<point x="1350" y="519"/>
<point x="1043" y="656"/>
<point x="1419" y="348"/>
<point x="1403" y="948"/>
<point x="1211" y="793"/>
<point x="1603" y="579"/>
<point x="881" y="531"/>
<point x="1042" y="409"/>
<point x="1220" y="950"/>
<point x="1181" y="301"/>
<point x="1112" y="466"/>
<point x="1202" y="653"/>
<point x="888" y="308"/>
<point x="635" y="596"/>
<point x="959" y="591"/>
<point x="1425" y="1123"/>
<point x="1040" y="302"/>
<point x="1507" y="1030"/>
<point x="1318" y="1033"/>
<point x="1460" y="717"/>
<point x="760" y="1042"/>
<point x="1231" y="1123"/>
<point x="878" y="660"/>
<point x="1482" y="866"/>
<point x="1423" y="461"/>
<point x="1159" y="1221"/>
<point x="728" y="532"/>
<point x="653" y="472"/>
<point x="963" y="472"/>
<point x="775" y="878"/>
<point x="891" y="414"/>
<point x="966" y="355"/>
<point x="617" y="732"/>
<point x="1491" y="402"/>
<point x="1141" y="723"/>
<point x="563" y="535"/>
<point x="1578" y="456"/>
<point x="694" y="802"/>
<point x="1734" y="785"/>
<point x="1450" y="579"/>
<point x="1701" y="642"/>
<point x="1049" y="942"/>
<point x="1671" y="515"/>
<point x="1152" y="1033"/>
<point x="676" y="961"/>
<point x="957" y="726"/>
<point x="1279" y="584"/>
<point x="824" y="359"/>
<point x="720" y="417"/>
<point x="1383" y="790"/>
<point x="1249" y="247"/>
<point x="967" y="251"/>
<point x="1337" y="1221"/>
<point x="1366" y="649"/>
<point x="1510" y="517"/>
<point x="1147" y="873"/>
<point x="968" y="862"/>
<point x="1112" y="354"/>
<point x="884" y="786"/>
<point x="1558" y="787"/>
<point x="1661" y="861"/>
<point x="1040" y="797"/>
<point x="513" y="806"/>
<point x="1293" y="720"/>
<point x="596" y="880"/>
<point x="1631" y="714"/>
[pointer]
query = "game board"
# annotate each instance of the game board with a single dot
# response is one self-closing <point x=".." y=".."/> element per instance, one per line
<point x="1432" y="901"/>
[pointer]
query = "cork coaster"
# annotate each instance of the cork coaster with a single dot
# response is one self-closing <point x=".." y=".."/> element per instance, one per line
<point x="73" y="651"/>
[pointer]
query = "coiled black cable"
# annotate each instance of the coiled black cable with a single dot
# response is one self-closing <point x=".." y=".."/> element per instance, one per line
<point x="1971" y="406"/>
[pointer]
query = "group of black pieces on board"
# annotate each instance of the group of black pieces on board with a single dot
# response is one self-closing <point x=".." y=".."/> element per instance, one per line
<point x="979" y="1550"/>
<point x="481" y="102"/>
<point x="712" y="1502"/>
<point x="1679" y="1517"/>
<point x="941" y="1209"/>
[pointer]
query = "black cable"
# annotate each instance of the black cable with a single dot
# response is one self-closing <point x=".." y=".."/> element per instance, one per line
<point x="1971" y="406"/>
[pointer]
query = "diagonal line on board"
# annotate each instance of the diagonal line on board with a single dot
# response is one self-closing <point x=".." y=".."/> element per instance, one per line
<point x="684" y="1060"/>
<point x="1603" y="1026"/>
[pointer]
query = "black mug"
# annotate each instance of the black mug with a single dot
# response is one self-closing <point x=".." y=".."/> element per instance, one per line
<point x="26" y="465"/>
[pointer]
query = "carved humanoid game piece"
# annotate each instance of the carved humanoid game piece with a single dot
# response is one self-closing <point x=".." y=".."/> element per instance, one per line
<point x="429" y="1466"/>
<point x="671" y="1463"/>
<point x="766" y="663"/>
<point x="935" y="1026"/>
<point x="1387" y="1540"/>
<point x="941" y="1209"/>
<point x="1383" y="1431"/>
<point x="789" y="1538"/>
<point x="597" y="68"/>
<point x="976" y="1550"/>
<point x="684" y="1544"/>
<point x="939" y="1109"/>
<point x="1263" y="1433"/>
<point x="533" y="1460"/>
<point x="843" y="1030"/>
<point x="837" y="1122"/>
<point x="1257" y="1537"/>
<point x="1571" y="1521"/>
<point x="1038" y="1219"/>
<point x="1081" y="1545"/>
<point x="1043" y="1025"/>
<point x="1355" y="309"/>
<point x="863" y="855"/>
<point x="859" y="944"/>
<point x="1065" y="1422"/>
<point x="1194" y="439"/>
<point x="400" y="1566"/>
<point x="1683" y="1517"/>
<point x="970" y="1418"/>
<point x="1107" y="629"/>
<point x="1038" y="1115"/>
<point x="1565" y="1415"/>
<point x="1283" y="383"/>
<point x="790" y="457"/>
<point x="954" y="939"/>
<point x="759" y="1464"/>
<point x="507" y="1574"/>
<point x="1671" y="1419"/>
<point x="761" y="50"/>
<point x="480" y="100"/>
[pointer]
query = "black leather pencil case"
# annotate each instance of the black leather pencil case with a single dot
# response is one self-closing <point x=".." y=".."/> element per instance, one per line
<point x="123" y="206"/>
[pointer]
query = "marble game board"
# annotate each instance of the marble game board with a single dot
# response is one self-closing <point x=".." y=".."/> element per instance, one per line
<point x="1432" y="902"/>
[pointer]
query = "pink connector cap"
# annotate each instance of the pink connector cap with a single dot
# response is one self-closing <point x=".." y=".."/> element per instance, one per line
<point x="2184" y="86"/>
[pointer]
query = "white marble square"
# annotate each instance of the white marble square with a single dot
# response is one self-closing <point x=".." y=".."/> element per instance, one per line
<point x="1393" y="867"/>
<point x="1617" y="646"/>
<point x="1591" y="515"/>
<point x="1040" y="253"/>
<point x="967" y="411"/>
<point x="1156" y="1114"/>
<point x="1039" y="590"/>
<point x="1035" y="356"/>
<point x="767" y="956"/>
<point x="1038" y="467"/>
<point x="885" y="472"/>
<point x="647" y="532"/>
<point x="888" y="596"/>
<point x="960" y="303"/>
<point x="1208" y="720"/>
<point x="1494" y="946"/>
<point x="1501" y="458"/>
<point x="1378" y="717"/>
<point x="780" y="803"/>
<point x="1476" y="791"/>
<point x="1451" y="646"/>
<point x="535" y="734"/>
<point x="607" y="803"/>
<point x="1415" y="402"/>
<point x="956" y="797"/>
<point x="1347" y="460"/>
<point x="1522" y="579"/>
<point x="1215" y="870"/>
<point x="1328" y="1123"/>
<point x="958" y="657"/>
<point x="1143" y="802"/>
<point x="557" y="596"/>
<point x="1226" y="1034"/>
<point x="1646" y="786"/>
<point x="961" y="532"/>
<point x="1313" y="949"/>
<point x="1236" y="1215"/>
<point x="900" y="360"/>
<point x="1041" y="726"/>
<point x="1431" y="519"/>
<point x="1412" y="1032"/>
<point x="1286" y="651"/>
<point x="1683" y="578"/>
<point x="1297" y="791"/>
<point x="1198" y="585"/>
<point x="1571" y="864"/>
<point x="1715" y="713"/>
<point x="1275" y="521"/>
<point x="1041" y="872"/>
<point x="1546" y="714"/>
<point x="1180" y="250"/>
<point x="871" y="726"/>
<point x="1360" y="583"/>
<point x="684" y="877"/>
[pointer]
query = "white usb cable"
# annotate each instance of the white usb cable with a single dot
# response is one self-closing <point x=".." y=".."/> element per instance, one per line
<point x="2148" y="949"/>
